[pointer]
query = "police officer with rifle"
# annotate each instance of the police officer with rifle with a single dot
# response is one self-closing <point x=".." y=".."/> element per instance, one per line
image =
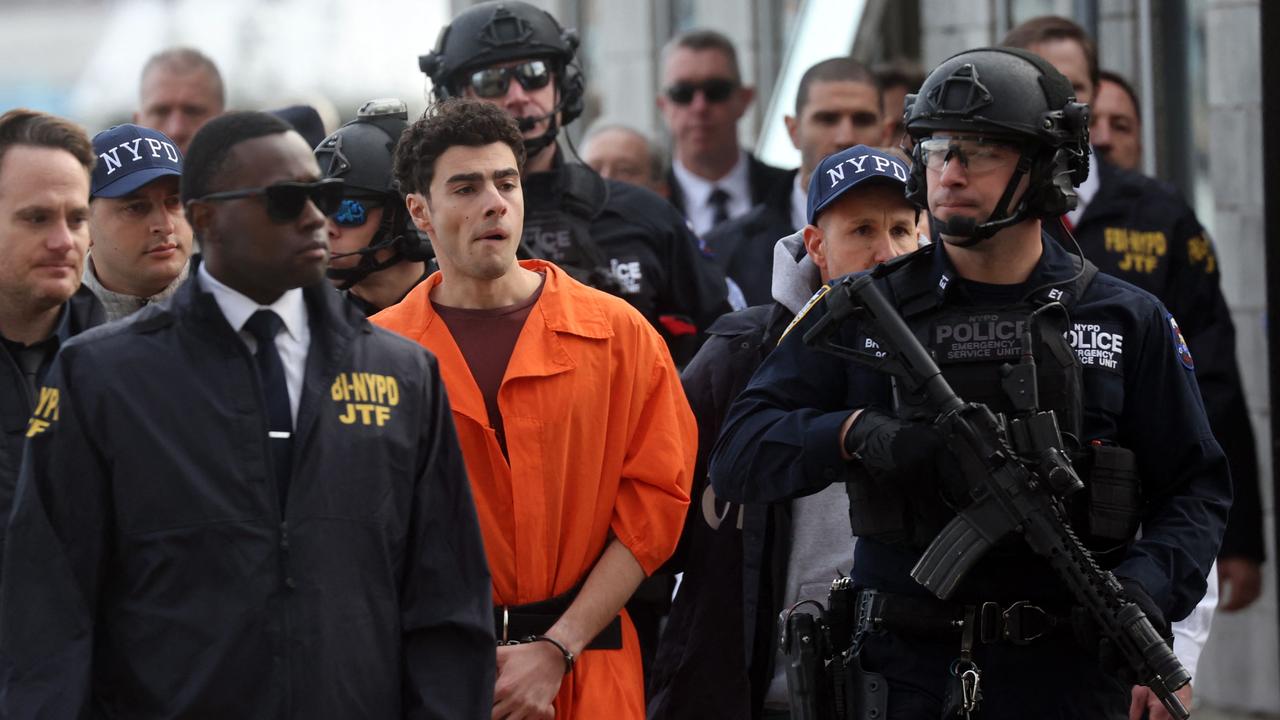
<point x="1032" y="480"/>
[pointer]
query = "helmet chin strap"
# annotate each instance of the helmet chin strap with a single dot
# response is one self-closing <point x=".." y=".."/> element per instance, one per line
<point x="385" y="237"/>
<point x="974" y="232"/>
<point x="536" y="145"/>
<point x="368" y="265"/>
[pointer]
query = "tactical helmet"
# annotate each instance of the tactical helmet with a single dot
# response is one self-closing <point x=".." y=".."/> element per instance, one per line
<point x="494" y="32"/>
<point x="361" y="153"/>
<point x="1012" y="95"/>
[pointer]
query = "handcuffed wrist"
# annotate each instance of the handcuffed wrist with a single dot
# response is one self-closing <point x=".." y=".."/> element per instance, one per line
<point x="569" y="658"/>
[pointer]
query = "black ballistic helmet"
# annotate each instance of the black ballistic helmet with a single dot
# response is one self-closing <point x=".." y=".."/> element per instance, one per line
<point x="495" y="32"/>
<point x="1013" y="95"/>
<point x="360" y="153"/>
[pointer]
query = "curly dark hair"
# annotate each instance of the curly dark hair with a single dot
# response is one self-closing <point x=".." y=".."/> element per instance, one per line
<point x="451" y="122"/>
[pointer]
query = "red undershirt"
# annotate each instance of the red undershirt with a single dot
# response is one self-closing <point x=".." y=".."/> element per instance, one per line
<point x="487" y="338"/>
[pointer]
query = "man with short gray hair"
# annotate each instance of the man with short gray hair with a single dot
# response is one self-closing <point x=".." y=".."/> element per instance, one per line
<point x="181" y="89"/>
<point x="622" y="153"/>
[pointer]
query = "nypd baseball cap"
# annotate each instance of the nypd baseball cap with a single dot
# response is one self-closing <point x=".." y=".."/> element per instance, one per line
<point x="840" y="172"/>
<point x="130" y="156"/>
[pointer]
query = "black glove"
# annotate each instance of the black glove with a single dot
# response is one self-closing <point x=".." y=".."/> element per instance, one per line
<point x="1136" y="593"/>
<point x="1109" y="658"/>
<point x="894" y="450"/>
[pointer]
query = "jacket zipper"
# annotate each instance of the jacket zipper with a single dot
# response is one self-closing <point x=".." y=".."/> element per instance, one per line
<point x="282" y="547"/>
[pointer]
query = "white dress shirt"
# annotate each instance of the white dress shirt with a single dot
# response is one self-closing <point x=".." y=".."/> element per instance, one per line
<point x="292" y="343"/>
<point x="696" y="192"/>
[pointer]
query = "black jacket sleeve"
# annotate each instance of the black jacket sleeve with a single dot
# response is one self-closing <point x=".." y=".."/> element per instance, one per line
<point x="54" y="559"/>
<point x="711" y="381"/>
<point x="781" y="436"/>
<point x="446" y="598"/>
<point x="1195" y="299"/>
<point x="695" y="286"/>
<point x="1186" y="484"/>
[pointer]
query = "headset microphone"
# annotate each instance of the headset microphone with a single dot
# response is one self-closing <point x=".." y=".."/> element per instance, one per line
<point x="961" y="226"/>
<point x="528" y="123"/>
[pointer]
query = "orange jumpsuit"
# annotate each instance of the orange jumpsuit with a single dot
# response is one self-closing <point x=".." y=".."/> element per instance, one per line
<point x="602" y="442"/>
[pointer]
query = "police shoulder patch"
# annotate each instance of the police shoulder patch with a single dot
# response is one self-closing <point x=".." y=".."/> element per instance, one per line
<point x="822" y="291"/>
<point x="1180" y="344"/>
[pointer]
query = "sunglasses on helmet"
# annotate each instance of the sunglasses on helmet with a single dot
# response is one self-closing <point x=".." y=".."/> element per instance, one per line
<point x="286" y="200"/>
<point x="715" y="90"/>
<point x="976" y="154"/>
<point x="354" y="212"/>
<point x="494" y="82"/>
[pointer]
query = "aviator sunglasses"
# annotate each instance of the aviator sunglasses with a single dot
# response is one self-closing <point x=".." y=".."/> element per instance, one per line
<point x="715" y="90"/>
<point x="286" y="200"/>
<point x="494" y="82"/>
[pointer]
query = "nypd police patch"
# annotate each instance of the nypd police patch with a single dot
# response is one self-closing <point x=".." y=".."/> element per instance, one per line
<point x="822" y="292"/>
<point x="1180" y="345"/>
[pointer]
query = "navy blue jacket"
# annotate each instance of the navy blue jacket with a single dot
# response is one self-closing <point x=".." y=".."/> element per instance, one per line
<point x="1142" y="231"/>
<point x="80" y="313"/>
<point x="151" y="573"/>
<point x="782" y="439"/>
<point x="715" y="659"/>
<point x="743" y="247"/>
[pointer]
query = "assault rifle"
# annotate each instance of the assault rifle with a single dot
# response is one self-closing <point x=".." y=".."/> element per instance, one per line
<point x="1015" y="473"/>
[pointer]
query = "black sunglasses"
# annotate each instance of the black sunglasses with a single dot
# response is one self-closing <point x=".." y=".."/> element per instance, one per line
<point x="286" y="200"/>
<point x="494" y="82"/>
<point x="715" y="90"/>
<point x="354" y="212"/>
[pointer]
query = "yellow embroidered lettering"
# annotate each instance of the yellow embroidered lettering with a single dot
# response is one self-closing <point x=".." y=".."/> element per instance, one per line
<point x="349" y="416"/>
<point x="1114" y="240"/>
<point x="35" y="426"/>
<point x="364" y="409"/>
<point x="369" y="397"/>
<point x="47" y="406"/>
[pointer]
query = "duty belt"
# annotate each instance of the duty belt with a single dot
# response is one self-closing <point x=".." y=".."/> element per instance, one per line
<point x="1018" y="623"/>
<point x="516" y="622"/>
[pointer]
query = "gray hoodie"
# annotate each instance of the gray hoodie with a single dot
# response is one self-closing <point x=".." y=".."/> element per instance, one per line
<point x="820" y="546"/>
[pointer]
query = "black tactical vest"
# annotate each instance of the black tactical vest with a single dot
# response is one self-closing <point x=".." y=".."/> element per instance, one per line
<point x="559" y="208"/>
<point x="971" y="344"/>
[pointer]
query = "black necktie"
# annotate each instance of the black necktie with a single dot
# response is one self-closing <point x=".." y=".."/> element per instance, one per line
<point x="30" y="359"/>
<point x="264" y="325"/>
<point x="719" y="202"/>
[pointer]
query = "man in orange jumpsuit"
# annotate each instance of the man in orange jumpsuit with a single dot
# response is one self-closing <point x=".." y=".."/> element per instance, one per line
<point x="576" y="434"/>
